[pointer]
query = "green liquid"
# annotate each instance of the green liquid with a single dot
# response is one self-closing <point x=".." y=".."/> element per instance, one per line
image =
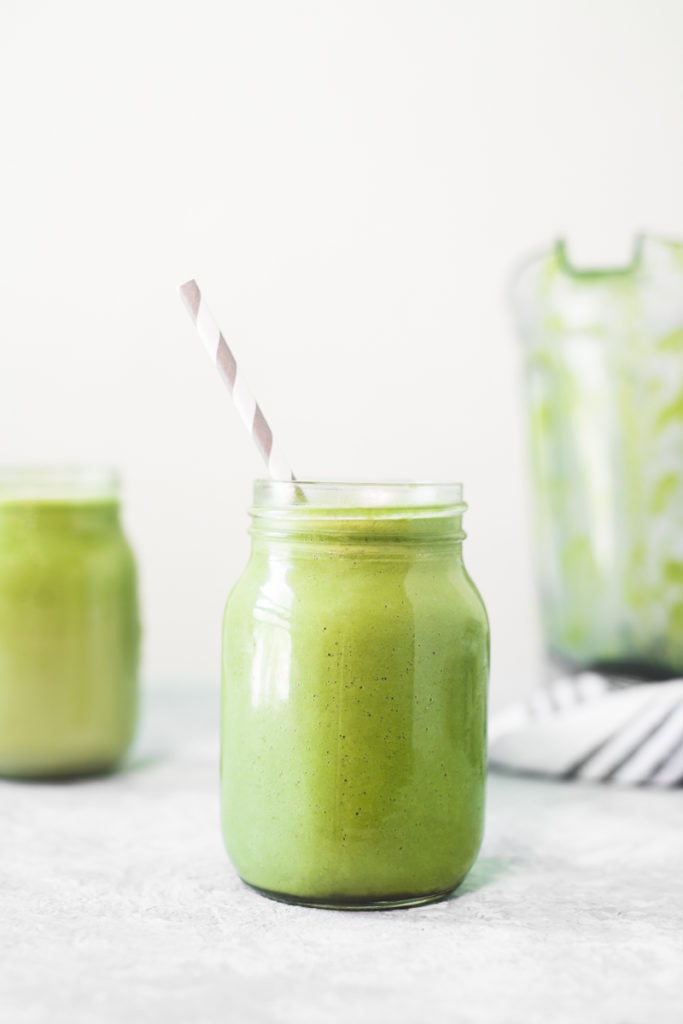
<point x="69" y="638"/>
<point x="355" y="670"/>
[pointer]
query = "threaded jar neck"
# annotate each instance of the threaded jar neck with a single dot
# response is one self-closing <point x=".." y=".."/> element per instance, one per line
<point x="360" y="512"/>
<point x="59" y="484"/>
<point x="58" y="496"/>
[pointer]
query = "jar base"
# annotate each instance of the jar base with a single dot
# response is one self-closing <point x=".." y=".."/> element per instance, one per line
<point x="61" y="773"/>
<point x="624" y="670"/>
<point x="356" y="903"/>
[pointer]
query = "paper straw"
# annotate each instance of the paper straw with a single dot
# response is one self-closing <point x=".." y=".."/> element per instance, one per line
<point x="221" y="356"/>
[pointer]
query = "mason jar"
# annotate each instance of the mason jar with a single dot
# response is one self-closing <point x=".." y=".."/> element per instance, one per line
<point x="69" y="627"/>
<point x="355" y="668"/>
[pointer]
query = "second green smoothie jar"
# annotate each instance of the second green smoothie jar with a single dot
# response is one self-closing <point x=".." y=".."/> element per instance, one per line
<point x="69" y="626"/>
<point x="355" y="668"/>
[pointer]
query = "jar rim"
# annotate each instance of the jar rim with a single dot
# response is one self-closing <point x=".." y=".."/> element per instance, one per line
<point x="355" y="498"/>
<point x="58" y="482"/>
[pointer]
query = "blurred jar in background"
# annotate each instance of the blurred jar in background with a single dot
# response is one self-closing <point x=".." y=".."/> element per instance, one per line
<point x="69" y="626"/>
<point x="603" y="352"/>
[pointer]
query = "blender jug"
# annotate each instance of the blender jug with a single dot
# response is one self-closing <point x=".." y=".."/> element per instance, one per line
<point x="603" y="378"/>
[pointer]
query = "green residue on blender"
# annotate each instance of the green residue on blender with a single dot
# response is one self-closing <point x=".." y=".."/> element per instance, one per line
<point x="605" y="416"/>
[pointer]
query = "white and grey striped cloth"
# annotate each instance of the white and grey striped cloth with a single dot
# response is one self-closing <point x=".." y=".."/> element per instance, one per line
<point x="593" y="729"/>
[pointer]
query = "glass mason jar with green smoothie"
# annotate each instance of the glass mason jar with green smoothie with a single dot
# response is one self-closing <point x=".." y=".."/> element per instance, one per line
<point x="69" y="628"/>
<point x="355" y="668"/>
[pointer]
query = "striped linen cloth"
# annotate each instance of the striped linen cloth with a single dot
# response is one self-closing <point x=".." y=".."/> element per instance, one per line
<point x="591" y="728"/>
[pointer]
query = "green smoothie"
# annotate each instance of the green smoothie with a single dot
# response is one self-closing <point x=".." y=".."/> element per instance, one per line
<point x="69" y="631"/>
<point x="355" y="670"/>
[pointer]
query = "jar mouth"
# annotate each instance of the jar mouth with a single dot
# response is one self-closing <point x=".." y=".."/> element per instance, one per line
<point x="351" y="499"/>
<point x="19" y="483"/>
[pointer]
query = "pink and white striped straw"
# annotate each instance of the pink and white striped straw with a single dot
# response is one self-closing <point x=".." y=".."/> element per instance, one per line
<point x="221" y="356"/>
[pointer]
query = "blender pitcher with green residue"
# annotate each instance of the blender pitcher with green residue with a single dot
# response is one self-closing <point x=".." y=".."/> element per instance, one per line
<point x="603" y="372"/>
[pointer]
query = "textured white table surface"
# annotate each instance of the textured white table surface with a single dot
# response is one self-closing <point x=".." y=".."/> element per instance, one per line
<point x="117" y="904"/>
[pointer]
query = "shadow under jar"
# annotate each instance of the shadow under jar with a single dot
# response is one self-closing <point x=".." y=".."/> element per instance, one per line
<point x="355" y="671"/>
<point x="69" y="627"/>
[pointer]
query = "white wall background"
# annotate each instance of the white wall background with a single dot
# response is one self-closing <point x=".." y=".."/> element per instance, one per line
<point x="351" y="182"/>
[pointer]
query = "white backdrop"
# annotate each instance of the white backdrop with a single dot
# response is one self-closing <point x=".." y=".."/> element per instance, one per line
<point x="351" y="183"/>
